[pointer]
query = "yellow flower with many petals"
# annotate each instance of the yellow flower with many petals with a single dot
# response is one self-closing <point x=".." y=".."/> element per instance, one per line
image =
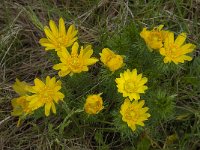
<point x="133" y="113"/>
<point x="93" y="104"/>
<point x="58" y="38"/>
<point x="154" y="38"/>
<point x="131" y="85"/>
<point x="20" y="106"/>
<point x="176" y="50"/>
<point x="111" y="60"/>
<point x="45" y="95"/>
<point x="21" y="88"/>
<point x="75" y="63"/>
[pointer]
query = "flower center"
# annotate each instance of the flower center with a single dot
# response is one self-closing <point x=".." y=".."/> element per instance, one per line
<point x="156" y="36"/>
<point x="130" y="86"/>
<point x="60" y="41"/>
<point x="173" y="51"/>
<point x="75" y="63"/>
<point x="131" y="114"/>
<point x="46" y="95"/>
<point x="95" y="105"/>
<point x="109" y="58"/>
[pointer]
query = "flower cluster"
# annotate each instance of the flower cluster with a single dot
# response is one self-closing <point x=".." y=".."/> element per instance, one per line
<point x="172" y="50"/>
<point x="74" y="58"/>
<point x="130" y="84"/>
<point x="34" y="97"/>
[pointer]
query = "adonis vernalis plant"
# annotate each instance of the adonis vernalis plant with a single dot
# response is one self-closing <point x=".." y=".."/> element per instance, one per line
<point x="75" y="63"/>
<point x="111" y="60"/>
<point x="154" y="38"/>
<point x="34" y="97"/>
<point x="57" y="38"/>
<point x="93" y="104"/>
<point x="130" y="84"/>
<point x="75" y="59"/>
<point x="175" y="51"/>
<point x="20" y="104"/>
<point x="45" y="94"/>
<point x="134" y="113"/>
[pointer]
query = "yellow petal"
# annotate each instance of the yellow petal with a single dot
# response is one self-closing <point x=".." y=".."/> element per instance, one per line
<point x="187" y="48"/>
<point x="160" y="27"/>
<point x="49" y="34"/>
<point x="162" y="51"/>
<point x="126" y="104"/>
<point x="140" y="123"/>
<point x="91" y="61"/>
<point x="140" y="104"/>
<point x="143" y="81"/>
<point x="71" y="31"/>
<point x="134" y="74"/>
<point x="135" y="96"/>
<point x="145" y="109"/>
<point x="144" y="34"/>
<point x="88" y="52"/>
<point x="75" y="49"/>
<point x="63" y="73"/>
<point x="167" y="59"/>
<point x="20" y="87"/>
<point x="169" y="40"/>
<point x="63" y="54"/>
<point x="183" y="58"/>
<point x="52" y="82"/>
<point x="47" y="109"/>
<point x="53" y="108"/>
<point x="127" y="74"/>
<point x="47" y="44"/>
<point x="53" y="28"/>
<point x="180" y="39"/>
<point x="48" y="79"/>
<point x="142" y="89"/>
<point x="133" y="127"/>
<point x="62" y="30"/>
<point x="39" y="83"/>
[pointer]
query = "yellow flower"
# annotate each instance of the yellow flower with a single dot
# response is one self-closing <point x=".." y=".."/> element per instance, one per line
<point x="111" y="60"/>
<point x="130" y="84"/>
<point x="75" y="63"/>
<point x="45" y="94"/>
<point x="58" y="38"/>
<point x="176" y="50"/>
<point x="154" y="38"/>
<point x="93" y="104"/>
<point x="133" y="113"/>
<point x="20" y="106"/>
<point x="21" y="88"/>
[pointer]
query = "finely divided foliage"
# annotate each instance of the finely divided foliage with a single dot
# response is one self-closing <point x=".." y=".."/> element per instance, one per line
<point x="129" y="84"/>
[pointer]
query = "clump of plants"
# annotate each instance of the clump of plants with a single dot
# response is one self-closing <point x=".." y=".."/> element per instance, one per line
<point x="119" y="88"/>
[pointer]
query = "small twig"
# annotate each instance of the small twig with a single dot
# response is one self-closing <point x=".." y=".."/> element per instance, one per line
<point x="1" y="122"/>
